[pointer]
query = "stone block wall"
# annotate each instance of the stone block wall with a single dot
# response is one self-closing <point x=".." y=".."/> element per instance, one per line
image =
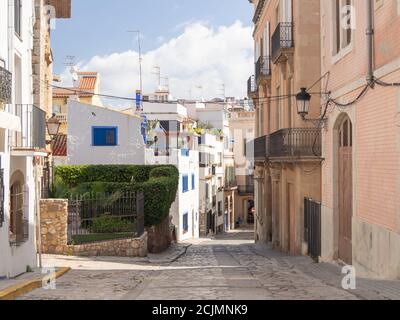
<point x="54" y="235"/>
<point x="159" y="237"/>
<point x="54" y="225"/>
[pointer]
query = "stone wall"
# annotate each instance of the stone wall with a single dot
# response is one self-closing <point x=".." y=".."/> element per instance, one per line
<point x="54" y="231"/>
<point x="136" y="247"/>
<point x="159" y="237"/>
<point x="54" y="225"/>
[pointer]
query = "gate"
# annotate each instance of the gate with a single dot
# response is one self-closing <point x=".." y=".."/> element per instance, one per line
<point x="101" y="217"/>
<point x="312" y="227"/>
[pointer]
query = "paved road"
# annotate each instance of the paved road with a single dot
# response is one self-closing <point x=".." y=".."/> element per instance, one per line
<point x="228" y="267"/>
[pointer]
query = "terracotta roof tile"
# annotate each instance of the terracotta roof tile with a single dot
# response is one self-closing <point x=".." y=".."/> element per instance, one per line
<point x="88" y="83"/>
<point x="67" y="92"/>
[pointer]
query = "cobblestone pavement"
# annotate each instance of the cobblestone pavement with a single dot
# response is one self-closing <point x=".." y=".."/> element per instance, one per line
<point x="227" y="267"/>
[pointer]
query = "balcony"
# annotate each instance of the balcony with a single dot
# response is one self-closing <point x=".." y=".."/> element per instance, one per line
<point x="297" y="142"/>
<point x="246" y="190"/>
<point x="263" y="68"/>
<point x="62" y="118"/>
<point x="261" y="148"/>
<point x="251" y="87"/>
<point x="282" y="41"/>
<point x="259" y="10"/>
<point x="5" y="86"/>
<point x="33" y="128"/>
<point x="300" y="142"/>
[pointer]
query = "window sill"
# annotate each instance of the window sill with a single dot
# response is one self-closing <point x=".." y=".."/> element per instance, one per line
<point x="342" y="53"/>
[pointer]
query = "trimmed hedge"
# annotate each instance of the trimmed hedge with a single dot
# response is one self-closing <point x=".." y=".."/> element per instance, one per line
<point x="159" y="185"/>
<point x="75" y="175"/>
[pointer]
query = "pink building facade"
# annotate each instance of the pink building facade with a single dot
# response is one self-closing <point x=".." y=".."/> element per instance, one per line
<point x="361" y="142"/>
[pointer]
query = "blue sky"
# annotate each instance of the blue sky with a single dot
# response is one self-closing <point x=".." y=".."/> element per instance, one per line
<point x="98" y="28"/>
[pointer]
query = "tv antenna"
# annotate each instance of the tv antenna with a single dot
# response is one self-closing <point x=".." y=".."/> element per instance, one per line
<point x="158" y="74"/>
<point x="140" y="57"/>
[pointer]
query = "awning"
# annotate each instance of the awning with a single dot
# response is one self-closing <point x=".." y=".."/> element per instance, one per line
<point x="9" y="121"/>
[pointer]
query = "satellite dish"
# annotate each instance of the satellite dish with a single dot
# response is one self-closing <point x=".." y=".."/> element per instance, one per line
<point x="74" y="72"/>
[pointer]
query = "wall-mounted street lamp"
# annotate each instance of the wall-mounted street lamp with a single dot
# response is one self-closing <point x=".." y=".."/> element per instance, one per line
<point x="303" y="99"/>
<point x="53" y="127"/>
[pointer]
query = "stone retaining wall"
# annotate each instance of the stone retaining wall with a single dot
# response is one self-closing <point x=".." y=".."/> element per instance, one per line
<point x="54" y="231"/>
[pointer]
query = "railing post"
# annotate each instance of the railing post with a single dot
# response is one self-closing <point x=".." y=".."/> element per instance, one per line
<point x="140" y="213"/>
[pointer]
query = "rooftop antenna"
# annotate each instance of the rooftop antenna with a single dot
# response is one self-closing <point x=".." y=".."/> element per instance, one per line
<point x="223" y="90"/>
<point x="140" y="57"/>
<point x="158" y="74"/>
<point x="166" y="82"/>
<point x="200" y="87"/>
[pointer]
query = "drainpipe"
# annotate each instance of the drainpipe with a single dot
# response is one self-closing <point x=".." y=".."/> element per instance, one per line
<point x="370" y="42"/>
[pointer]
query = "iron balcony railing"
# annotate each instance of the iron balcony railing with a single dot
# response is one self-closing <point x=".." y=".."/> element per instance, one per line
<point x="299" y="142"/>
<point x="251" y="86"/>
<point x="263" y="67"/>
<point x="258" y="12"/>
<point x="33" y="127"/>
<point x="261" y="148"/>
<point x="247" y="189"/>
<point x="5" y="86"/>
<point x="282" y="38"/>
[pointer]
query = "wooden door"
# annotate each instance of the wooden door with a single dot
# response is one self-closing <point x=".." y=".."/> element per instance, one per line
<point x="345" y="191"/>
<point x="292" y="219"/>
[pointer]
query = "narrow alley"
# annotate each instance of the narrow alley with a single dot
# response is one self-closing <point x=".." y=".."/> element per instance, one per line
<point x="228" y="267"/>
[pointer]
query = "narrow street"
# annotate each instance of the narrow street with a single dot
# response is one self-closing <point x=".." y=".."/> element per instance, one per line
<point x="228" y="267"/>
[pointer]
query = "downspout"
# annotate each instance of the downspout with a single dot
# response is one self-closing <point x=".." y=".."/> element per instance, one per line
<point x="370" y="42"/>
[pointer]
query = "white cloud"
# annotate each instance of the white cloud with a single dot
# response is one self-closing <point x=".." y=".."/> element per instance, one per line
<point x="200" y="56"/>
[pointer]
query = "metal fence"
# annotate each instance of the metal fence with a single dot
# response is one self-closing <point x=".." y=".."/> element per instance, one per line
<point x="100" y="217"/>
<point x="312" y="227"/>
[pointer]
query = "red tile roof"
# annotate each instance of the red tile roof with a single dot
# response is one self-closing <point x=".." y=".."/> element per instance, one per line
<point x="87" y="83"/>
<point x="67" y="92"/>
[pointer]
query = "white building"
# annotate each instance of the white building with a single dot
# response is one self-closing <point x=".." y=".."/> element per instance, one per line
<point x="169" y="143"/>
<point x="22" y="140"/>
<point x="216" y="116"/>
<point x="97" y="135"/>
<point x="213" y="218"/>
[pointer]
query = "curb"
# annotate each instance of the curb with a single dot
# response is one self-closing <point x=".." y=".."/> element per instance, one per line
<point x="175" y="257"/>
<point x="17" y="290"/>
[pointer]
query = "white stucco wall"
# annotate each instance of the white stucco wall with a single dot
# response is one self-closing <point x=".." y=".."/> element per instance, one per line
<point x="81" y="119"/>
<point x="15" y="259"/>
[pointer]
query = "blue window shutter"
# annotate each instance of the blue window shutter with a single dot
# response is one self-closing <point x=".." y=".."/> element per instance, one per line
<point x="105" y="136"/>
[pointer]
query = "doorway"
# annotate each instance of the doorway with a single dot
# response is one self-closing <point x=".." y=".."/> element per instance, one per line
<point x="345" y="190"/>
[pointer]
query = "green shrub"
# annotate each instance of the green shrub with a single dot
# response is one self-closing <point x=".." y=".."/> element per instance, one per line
<point x="109" y="224"/>
<point x="159" y="185"/>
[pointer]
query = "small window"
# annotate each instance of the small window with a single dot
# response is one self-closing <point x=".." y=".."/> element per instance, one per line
<point x="17" y="16"/>
<point x="56" y="109"/>
<point x="193" y="182"/>
<point x="105" y="136"/>
<point x="186" y="222"/>
<point x="185" y="184"/>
